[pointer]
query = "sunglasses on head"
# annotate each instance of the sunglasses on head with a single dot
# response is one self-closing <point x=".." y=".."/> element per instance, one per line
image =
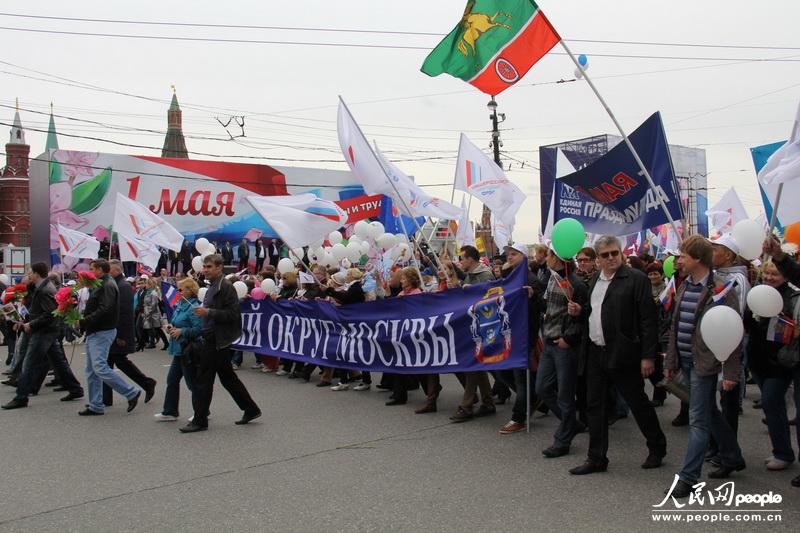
<point x="613" y="253"/>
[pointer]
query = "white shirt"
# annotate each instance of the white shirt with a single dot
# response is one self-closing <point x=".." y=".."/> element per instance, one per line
<point x="595" y="319"/>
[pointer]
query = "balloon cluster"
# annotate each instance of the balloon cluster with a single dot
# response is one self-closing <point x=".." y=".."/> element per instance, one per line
<point x="204" y="248"/>
<point x="583" y="61"/>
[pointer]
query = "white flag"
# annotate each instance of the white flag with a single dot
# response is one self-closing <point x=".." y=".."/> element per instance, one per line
<point x="420" y="203"/>
<point x="500" y="233"/>
<point x="299" y="219"/>
<point x="481" y="177"/>
<point x="136" y="221"/>
<point x="359" y="156"/>
<point x="465" y="234"/>
<point x="725" y="214"/>
<point x="76" y="244"/>
<point x="784" y="164"/>
<point x="138" y="250"/>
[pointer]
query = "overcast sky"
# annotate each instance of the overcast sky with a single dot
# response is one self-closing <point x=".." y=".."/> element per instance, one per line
<point x="288" y="92"/>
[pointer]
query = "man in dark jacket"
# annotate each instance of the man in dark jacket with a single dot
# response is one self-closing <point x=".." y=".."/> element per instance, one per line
<point x="619" y="347"/>
<point x="44" y="343"/>
<point x="125" y="342"/>
<point x="222" y="325"/>
<point x="186" y="256"/>
<point x="243" y="254"/>
<point x="227" y="253"/>
<point x="99" y="322"/>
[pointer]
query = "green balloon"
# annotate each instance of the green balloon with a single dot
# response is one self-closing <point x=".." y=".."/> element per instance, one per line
<point x="669" y="266"/>
<point x="568" y="237"/>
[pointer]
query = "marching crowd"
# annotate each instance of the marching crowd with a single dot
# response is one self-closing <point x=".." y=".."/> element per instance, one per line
<point x="599" y="327"/>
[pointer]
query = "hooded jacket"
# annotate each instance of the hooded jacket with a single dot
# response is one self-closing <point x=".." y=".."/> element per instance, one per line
<point x="479" y="274"/>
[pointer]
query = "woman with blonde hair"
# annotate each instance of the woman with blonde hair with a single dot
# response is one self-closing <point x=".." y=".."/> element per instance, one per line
<point x="184" y="329"/>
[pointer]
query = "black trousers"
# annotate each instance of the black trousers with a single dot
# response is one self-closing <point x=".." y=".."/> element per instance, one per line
<point x="630" y="384"/>
<point x="212" y="363"/>
<point x="126" y="366"/>
<point x="259" y="264"/>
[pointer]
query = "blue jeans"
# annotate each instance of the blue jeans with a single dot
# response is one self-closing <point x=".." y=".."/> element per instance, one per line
<point x="773" y="400"/>
<point x="98" y="371"/>
<point x="706" y="420"/>
<point x="177" y="370"/>
<point x="556" y="379"/>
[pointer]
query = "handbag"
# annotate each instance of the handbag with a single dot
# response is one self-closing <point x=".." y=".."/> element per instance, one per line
<point x="191" y="351"/>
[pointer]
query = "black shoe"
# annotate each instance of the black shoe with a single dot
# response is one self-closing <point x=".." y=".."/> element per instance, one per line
<point x="324" y="384"/>
<point x="485" y="410"/>
<point x="15" y="404"/>
<point x="589" y="467"/>
<point x="555" y="451"/>
<point x="462" y="415"/>
<point x="681" y="490"/>
<point x="72" y="396"/>
<point x="247" y="418"/>
<point x="796" y="482"/>
<point x="395" y="401"/>
<point x="653" y="461"/>
<point x="191" y="427"/>
<point x="725" y="471"/>
<point x="60" y="388"/>
<point x="150" y="391"/>
<point x="133" y="402"/>
<point x="681" y="420"/>
<point x="11" y="382"/>
<point x="89" y="412"/>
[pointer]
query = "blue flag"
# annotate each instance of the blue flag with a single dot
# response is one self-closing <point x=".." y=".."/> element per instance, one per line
<point x="611" y="196"/>
<point x="394" y="222"/>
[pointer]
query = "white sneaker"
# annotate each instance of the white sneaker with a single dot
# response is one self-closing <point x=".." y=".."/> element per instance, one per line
<point x="778" y="464"/>
<point x="161" y="417"/>
<point x="361" y="386"/>
<point x="341" y="386"/>
<point x="281" y="372"/>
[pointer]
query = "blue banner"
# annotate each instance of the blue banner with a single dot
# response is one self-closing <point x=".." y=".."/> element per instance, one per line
<point x="482" y="327"/>
<point x="394" y="222"/>
<point x="610" y="196"/>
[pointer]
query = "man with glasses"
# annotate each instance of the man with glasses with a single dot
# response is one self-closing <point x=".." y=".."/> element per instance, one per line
<point x="619" y="349"/>
<point x="586" y="259"/>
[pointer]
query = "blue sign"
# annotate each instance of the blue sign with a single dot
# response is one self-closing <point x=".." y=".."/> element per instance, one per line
<point x="611" y="195"/>
<point x="482" y="327"/>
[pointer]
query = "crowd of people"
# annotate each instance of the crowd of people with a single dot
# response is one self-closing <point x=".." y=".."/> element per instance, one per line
<point x="600" y="325"/>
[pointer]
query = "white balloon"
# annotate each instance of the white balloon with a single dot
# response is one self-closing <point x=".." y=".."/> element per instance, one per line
<point x="241" y="289"/>
<point x="201" y="244"/>
<point x="328" y="259"/>
<point x="362" y="229"/>
<point x="578" y="73"/>
<point x="765" y="301"/>
<point x="364" y="247"/>
<point x="197" y="263"/>
<point x="334" y="237"/>
<point x="722" y="330"/>
<point x="268" y="286"/>
<point x="376" y="229"/>
<point x="339" y="251"/>
<point x="201" y="294"/>
<point x="297" y="254"/>
<point x="285" y="265"/>
<point x="208" y="250"/>
<point x="346" y="263"/>
<point x="354" y="238"/>
<point x="353" y="251"/>
<point x="402" y="237"/>
<point x="749" y="236"/>
<point x="5" y="280"/>
<point x="386" y="241"/>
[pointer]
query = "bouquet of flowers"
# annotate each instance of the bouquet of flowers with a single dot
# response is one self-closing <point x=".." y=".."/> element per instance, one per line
<point x="11" y="306"/>
<point x="15" y="293"/>
<point x="67" y="298"/>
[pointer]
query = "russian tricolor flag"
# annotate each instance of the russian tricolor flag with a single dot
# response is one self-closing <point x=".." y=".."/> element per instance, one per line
<point x="721" y="291"/>
<point x="171" y="296"/>
<point x="666" y="296"/>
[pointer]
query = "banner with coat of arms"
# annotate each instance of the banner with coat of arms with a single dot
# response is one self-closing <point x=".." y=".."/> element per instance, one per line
<point x="481" y="327"/>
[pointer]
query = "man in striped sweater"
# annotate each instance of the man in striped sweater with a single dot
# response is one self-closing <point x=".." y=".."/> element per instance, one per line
<point x="688" y="352"/>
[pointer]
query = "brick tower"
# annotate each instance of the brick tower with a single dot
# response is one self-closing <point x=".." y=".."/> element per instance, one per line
<point x="15" y="214"/>
<point x="174" y="143"/>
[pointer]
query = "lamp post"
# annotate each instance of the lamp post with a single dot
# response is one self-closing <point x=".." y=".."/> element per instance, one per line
<point x="486" y="218"/>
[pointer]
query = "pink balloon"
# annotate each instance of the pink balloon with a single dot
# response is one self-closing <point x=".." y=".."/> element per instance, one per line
<point x="258" y="294"/>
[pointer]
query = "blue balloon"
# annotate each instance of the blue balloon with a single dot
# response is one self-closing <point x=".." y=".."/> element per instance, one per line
<point x="583" y="60"/>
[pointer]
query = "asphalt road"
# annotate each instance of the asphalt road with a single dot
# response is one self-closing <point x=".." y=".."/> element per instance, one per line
<point x="320" y="460"/>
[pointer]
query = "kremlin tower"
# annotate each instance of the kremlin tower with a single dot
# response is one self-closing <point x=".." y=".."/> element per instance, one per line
<point x="15" y="216"/>
<point x="174" y="143"/>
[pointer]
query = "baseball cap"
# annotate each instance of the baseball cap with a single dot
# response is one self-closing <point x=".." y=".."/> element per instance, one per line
<point x="519" y="247"/>
<point x="728" y="242"/>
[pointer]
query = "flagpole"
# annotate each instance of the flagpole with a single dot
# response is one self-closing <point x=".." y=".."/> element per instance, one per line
<point x="391" y="182"/>
<point x="625" y="138"/>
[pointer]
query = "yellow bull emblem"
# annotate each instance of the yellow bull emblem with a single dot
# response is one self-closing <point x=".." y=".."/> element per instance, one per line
<point x="475" y="25"/>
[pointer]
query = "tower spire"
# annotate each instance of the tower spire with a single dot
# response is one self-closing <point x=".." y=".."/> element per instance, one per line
<point x="52" y="139"/>
<point x="17" y="133"/>
<point x="174" y="142"/>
